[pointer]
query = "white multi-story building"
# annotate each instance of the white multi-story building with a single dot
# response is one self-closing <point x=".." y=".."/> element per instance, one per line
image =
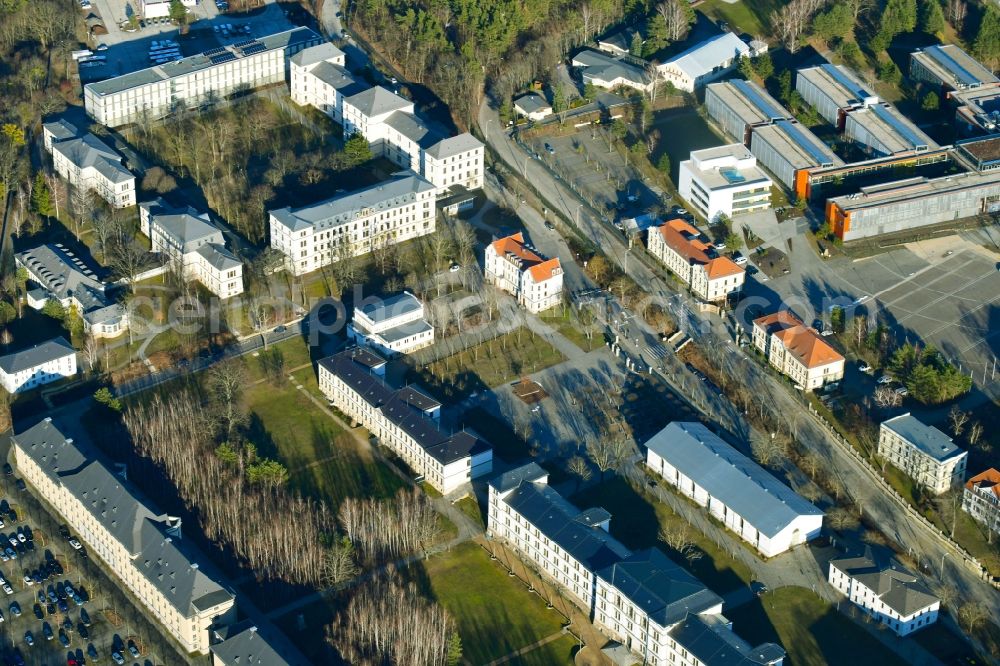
<point x="885" y="590"/>
<point x="981" y="499"/>
<point x="764" y="512"/>
<point x="704" y="62"/>
<point x="189" y="238"/>
<point x="404" y="420"/>
<point x="58" y="274"/>
<point x="395" y="132"/>
<point x="922" y="452"/>
<point x="152" y="9"/>
<point x="693" y="259"/>
<point x="353" y="224"/>
<point x="516" y="268"/>
<point x="140" y="545"/>
<point x="392" y="325"/>
<point x="40" y="364"/>
<point x="89" y="164"/>
<point x="724" y="180"/>
<point x="664" y="615"/>
<point x="318" y="78"/>
<point x="196" y="81"/>
<point x="797" y="351"/>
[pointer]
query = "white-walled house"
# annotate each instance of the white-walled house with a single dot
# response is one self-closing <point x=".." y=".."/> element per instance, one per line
<point x="922" y="452"/>
<point x="355" y="223"/>
<point x="761" y="510"/>
<point x="724" y="180"/>
<point x="89" y="164"/>
<point x="56" y="273"/>
<point x="705" y="62"/>
<point x="514" y="267"/>
<point x="603" y="71"/>
<point x="981" y="499"/>
<point x="533" y="106"/>
<point x="187" y="236"/>
<point x="797" y="351"/>
<point x="392" y="325"/>
<point x="140" y="545"/>
<point x="885" y="590"/>
<point x="318" y="78"/>
<point x="404" y="420"/>
<point x="691" y="258"/>
<point x="37" y="365"/>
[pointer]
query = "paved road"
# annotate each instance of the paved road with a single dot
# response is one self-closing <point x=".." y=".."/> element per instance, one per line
<point x="945" y="562"/>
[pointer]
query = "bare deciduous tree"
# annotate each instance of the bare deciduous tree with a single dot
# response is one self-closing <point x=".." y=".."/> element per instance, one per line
<point x="792" y="20"/>
<point x="382" y="529"/>
<point x="956" y="12"/>
<point x="226" y="382"/>
<point x="769" y="450"/>
<point x="841" y="518"/>
<point x="339" y="564"/>
<point x="957" y="418"/>
<point x="975" y="436"/>
<point x="680" y="537"/>
<point x="676" y="18"/>
<point x="885" y="396"/>
<point x="579" y="467"/>
<point x="973" y="615"/>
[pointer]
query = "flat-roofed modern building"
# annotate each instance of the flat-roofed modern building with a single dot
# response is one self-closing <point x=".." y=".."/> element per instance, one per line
<point x="391" y="325"/>
<point x="885" y="590"/>
<point x="704" y="62"/>
<point x="797" y="350"/>
<point x="738" y="106"/>
<point x="56" y="273"/>
<point x="189" y="238"/>
<point x="951" y="68"/>
<point x="761" y="510"/>
<point x="404" y="420"/>
<point x="195" y="81"/>
<point x="140" y="545"/>
<point x="318" y="78"/>
<point x="908" y="204"/>
<point x="882" y="131"/>
<point x="515" y="267"/>
<point x="922" y="452"/>
<point x="833" y="90"/>
<point x="977" y="109"/>
<point x="981" y="499"/>
<point x="354" y="224"/>
<point x="724" y="180"/>
<point x="89" y="164"/>
<point x="40" y="364"/>
<point x="690" y="257"/>
<point x="788" y="150"/>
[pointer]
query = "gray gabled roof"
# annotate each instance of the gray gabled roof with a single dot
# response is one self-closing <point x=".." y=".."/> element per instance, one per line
<point x="406" y="330"/>
<point x="337" y="78"/>
<point x="61" y="129"/>
<point x="704" y="57"/>
<point x="514" y="477"/>
<point x="531" y="103"/>
<point x="709" y="639"/>
<point x="897" y="587"/>
<point x="317" y="54"/>
<point x="412" y="128"/>
<point x="63" y="274"/>
<point x="89" y="151"/>
<point x="378" y="100"/>
<point x="37" y="355"/>
<point x="928" y="439"/>
<point x="455" y="145"/>
<point x="219" y="257"/>
<point x="731" y="477"/>
<point x="246" y="645"/>
<point x="345" y="208"/>
<point x="604" y="67"/>
<point x="381" y="309"/>
<point x="662" y="589"/>
<point x="187" y="230"/>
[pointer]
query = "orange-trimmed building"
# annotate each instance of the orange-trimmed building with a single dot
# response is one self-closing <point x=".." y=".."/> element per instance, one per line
<point x="981" y="499"/>
<point x="513" y="266"/>
<point x="691" y="258"/>
<point x="797" y="350"/>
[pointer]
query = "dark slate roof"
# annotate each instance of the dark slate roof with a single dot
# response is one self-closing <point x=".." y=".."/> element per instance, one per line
<point x="661" y="588"/>
<point x="406" y="330"/>
<point x="39" y="354"/>
<point x="557" y="519"/>
<point x="710" y="640"/>
<point x="515" y="477"/>
<point x="896" y="586"/>
<point x="377" y="100"/>
<point x="413" y="129"/>
<point x="928" y="439"/>
<point x="731" y="477"/>
<point x="246" y="645"/>
<point x="64" y="275"/>
<point x="89" y="151"/>
<point x="454" y="145"/>
<point x="166" y="564"/>
<point x="359" y="377"/>
<point x="338" y="78"/>
<point x="218" y="256"/>
<point x="417" y="399"/>
<point x="187" y="230"/>
<point x="61" y="129"/>
<point x="380" y="309"/>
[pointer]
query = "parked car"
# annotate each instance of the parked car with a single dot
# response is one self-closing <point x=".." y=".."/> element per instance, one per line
<point x="29" y="638"/>
<point x="864" y="367"/>
<point x="117" y="658"/>
<point x="63" y="638"/>
<point x="550" y="149"/>
<point x="82" y="630"/>
<point x="15" y="609"/>
<point x="8" y="470"/>
<point x="76" y="544"/>
<point x="92" y="651"/>
<point x="739" y="259"/>
<point x="84" y="617"/>
<point x="133" y="650"/>
<point x="47" y="631"/>
<point x="885" y="379"/>
<point x="902" y="391"/>
<point x="21" y="486"/>
<point x="39" y="613"/>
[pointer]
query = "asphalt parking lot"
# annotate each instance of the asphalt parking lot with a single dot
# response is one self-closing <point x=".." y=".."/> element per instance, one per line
<point x="65" y="626"/>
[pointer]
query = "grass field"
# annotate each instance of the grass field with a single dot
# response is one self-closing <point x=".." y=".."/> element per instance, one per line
<point x="489" y="364"/>
<point x="557" y="653"/>
<point x="294" y="352"/>
<point x="636" y="521"/>
<point x="495" y="613"/>
<point x="810" y="630"/>
<point x="323" y="461"/>
<point x="568" y="326"/>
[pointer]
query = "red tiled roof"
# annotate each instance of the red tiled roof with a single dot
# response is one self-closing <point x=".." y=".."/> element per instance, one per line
<point x="686" y="241"/>
<point x="801" y="341"/>
<point x="514" y="244"/>
<point x="989" y="479"/>
<point x="545" y="270"/>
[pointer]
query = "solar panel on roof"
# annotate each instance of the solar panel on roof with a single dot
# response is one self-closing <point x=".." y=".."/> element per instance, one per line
<point x="225" y="57"/>
<point x="798" y="137"/>
<point x="254" y="48"/>
<point x="846" y="81"/>
<point x="943" y="58"/>
<point x="771" y="111"/>
<point x="245" y="42"/>
<point x="899" y="127"/>
<point x="214" y="52"/>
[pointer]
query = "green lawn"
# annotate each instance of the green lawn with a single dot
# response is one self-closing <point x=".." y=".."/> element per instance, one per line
<point x="470" y="507"/>
<point x="489" y="364"/>
<point x="567" y="325"/>
<point x="294" y="352"/>
<point x="322" y="460"/>
<point x="636" y="521"/>
<point x="810" y="630"/>
<point x="748" y="17"/>
<point x="495" y="613"/>
<point x="557" y="653"/>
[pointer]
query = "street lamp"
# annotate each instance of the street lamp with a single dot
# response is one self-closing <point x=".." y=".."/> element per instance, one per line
<point x="627" y="250"/>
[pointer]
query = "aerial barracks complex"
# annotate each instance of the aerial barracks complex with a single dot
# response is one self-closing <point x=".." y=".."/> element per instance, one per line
<point x="887" y="141"/>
